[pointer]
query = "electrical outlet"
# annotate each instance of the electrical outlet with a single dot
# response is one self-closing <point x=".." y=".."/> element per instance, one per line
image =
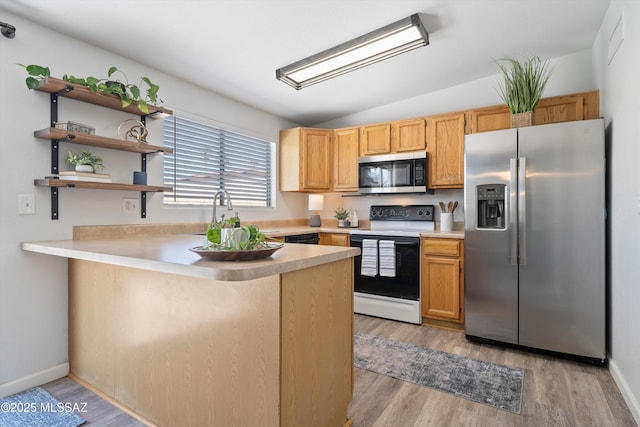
<point x="131" y="206"/>
<point x="26" y="204"/>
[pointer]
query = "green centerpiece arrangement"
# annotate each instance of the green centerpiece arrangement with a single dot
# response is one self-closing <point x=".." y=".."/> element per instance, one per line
<point x="225" y="241"/>
<point x="524" y="81"/>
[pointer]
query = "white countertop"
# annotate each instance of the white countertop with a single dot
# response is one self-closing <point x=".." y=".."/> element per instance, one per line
<point x="171" y="254"/>
<point x="456" y="233"/>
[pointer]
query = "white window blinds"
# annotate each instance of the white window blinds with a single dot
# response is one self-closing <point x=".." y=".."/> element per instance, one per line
<point x="206" y="159"/>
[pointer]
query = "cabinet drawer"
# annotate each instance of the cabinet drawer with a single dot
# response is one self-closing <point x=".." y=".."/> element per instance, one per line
<point x="442" y="247"/>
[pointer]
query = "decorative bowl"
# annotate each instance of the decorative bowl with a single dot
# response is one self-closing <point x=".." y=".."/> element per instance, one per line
<point x="248" y="255"/>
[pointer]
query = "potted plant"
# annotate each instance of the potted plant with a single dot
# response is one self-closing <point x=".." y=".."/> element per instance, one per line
<point x="85" y="161"/>
<point x="127" y="92"/>
<point x="522" y="87"/>
<point x="341" y="215"/>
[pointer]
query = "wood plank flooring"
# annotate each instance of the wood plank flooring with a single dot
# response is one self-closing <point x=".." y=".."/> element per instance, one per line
<point x="99" y="412"/>
<point x="557" y="392"/>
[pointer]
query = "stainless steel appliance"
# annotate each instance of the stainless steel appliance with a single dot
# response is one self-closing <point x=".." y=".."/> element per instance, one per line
<point x="387" y="273"/>
<point x="393" y="173"/>
<point x="534" y="238"/>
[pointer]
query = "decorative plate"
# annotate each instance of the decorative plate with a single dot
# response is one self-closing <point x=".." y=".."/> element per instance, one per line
<point x="217" y="255"/>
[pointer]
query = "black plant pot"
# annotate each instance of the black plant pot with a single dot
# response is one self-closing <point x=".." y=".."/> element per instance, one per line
<point x="112" y="83"/>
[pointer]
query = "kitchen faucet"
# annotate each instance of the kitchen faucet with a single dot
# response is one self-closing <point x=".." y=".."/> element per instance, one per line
<point x="214" y="219"/>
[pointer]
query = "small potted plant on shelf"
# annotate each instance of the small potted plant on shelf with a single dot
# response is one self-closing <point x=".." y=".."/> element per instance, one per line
<point x="524" y="82"/>
<point x="85" y="161"/>
<point x="341" y="215"/>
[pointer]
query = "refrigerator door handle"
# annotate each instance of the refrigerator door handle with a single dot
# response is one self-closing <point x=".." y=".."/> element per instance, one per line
<point x="512" y="212"/>
<point x="522" y="210"/>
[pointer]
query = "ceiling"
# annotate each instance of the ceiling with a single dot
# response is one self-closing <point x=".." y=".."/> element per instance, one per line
<point x="233" y="47"/>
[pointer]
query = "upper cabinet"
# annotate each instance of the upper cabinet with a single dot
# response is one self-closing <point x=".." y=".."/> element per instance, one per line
<point x="346" y="144"/>
<point x="408" y="135"/>
<point x="322" y="160"/>
<point x="306" y="160"/>
<point x="375" y="139"/>
<point x="445" y="148"/>
<point x="565" y="108"/>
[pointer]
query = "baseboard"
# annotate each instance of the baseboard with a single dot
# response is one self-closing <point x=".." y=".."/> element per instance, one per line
<point x="627" y="393"/>
<point x="34" y="380"/>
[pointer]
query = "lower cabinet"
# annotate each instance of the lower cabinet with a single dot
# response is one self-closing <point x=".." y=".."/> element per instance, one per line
<point x="335" y="239"/>
<point x="443" y="279"/>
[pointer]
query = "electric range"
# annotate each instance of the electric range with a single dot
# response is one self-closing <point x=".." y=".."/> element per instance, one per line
<point x="387" y="273"/>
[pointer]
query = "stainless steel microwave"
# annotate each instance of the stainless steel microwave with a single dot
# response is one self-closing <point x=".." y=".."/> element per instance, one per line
<point x="393" y="173"/>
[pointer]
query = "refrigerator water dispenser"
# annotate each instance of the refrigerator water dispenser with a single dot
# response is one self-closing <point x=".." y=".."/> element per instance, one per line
<point x="490" y="199"/>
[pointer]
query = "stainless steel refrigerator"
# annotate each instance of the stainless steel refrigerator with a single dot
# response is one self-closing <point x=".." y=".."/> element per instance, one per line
<point x="535" y="237"/>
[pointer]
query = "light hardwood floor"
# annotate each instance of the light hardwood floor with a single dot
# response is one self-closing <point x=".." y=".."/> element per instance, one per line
<point x="98" y="412"/>
<point x="557" y="392"/>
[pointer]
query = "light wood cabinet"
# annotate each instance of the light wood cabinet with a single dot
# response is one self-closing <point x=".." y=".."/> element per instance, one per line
<point x="445" y="148"/>
<point x="346" y="144"/>
<point x="565" y="108"/>
<point x="443" y="279"/>
<point x="408" y="135"/>
<point x="306" y="160"/>
<point x="335" y="239"/>
<point x="375" y="139"/>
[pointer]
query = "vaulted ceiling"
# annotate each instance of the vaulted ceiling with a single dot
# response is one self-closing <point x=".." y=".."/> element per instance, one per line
<point x="233" y="47"/>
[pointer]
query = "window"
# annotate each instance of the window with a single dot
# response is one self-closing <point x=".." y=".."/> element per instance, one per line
<point x="207" y="159"/>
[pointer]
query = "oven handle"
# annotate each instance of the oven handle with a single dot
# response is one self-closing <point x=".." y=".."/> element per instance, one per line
<point x="358" y="239"/>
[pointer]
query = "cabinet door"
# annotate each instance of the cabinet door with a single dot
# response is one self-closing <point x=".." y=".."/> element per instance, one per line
<point x="305" y="162"/>
<point x="441" y="293"/>
<point x="445" y="146"/>
<point x="408" y="135"/>
<point x="560" y="109"/>
<point x="488" y="119"/>
<point x="334" y="239"/>
<point x="375" y="139"/>
<point x="316" y="160"/>
<point x="555" y="109"/>
<point x="346" y="150"/>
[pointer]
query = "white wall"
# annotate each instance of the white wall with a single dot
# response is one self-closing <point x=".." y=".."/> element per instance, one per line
<point x="33" y="288"/>
<point x="572" y="73"/>
<point x="621" y="108"/>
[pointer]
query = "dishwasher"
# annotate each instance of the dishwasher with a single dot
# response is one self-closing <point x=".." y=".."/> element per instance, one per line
<point x="307" y="238"/>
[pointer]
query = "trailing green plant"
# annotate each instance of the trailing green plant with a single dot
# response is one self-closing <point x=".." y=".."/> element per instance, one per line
<point x="85" y="158"/>
<point x="341" y="214"/>
<point x="35" y="71"/>
<point x="127" y="92"/>
<point x="523" y="82"/>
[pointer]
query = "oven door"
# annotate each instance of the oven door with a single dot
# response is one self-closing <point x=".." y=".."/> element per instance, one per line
<point x="405" y="284"/>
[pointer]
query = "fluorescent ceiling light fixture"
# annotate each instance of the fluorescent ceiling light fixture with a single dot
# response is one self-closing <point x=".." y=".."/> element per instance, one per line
<point x="401" y="36"/>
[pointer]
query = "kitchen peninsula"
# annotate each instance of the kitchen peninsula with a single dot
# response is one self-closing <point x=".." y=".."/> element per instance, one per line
<point x="181" y="340"/>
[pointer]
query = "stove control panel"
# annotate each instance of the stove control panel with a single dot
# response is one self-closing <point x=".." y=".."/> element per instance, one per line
<point x="401" y="213"/>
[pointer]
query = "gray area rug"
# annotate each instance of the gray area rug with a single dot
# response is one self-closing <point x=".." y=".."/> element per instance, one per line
<point x="36" y="408"/>
<point x="484" y="382"/>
